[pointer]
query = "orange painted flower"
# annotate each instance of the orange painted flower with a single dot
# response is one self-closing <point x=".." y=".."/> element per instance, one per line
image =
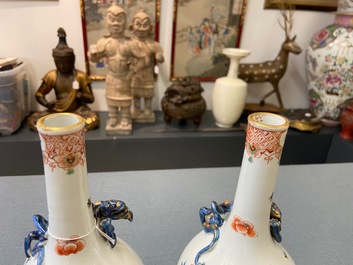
<point x="67" y="247"/>
<point x="243" y="227"/>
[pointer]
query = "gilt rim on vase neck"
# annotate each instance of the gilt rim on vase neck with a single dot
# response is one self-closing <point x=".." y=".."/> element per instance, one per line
<point x="268" y="121"/>
<point x="60" y="123"/>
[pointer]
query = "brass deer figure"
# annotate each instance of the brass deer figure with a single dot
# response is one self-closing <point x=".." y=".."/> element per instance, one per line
<point x="273" y="71"/>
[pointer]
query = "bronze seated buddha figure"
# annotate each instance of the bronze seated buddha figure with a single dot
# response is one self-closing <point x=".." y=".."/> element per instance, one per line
<point x="72" y="88"/>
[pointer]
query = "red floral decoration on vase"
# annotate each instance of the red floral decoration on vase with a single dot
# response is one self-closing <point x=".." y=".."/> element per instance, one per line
<point x="243" y="227"/>
<point x="67" y="247"/>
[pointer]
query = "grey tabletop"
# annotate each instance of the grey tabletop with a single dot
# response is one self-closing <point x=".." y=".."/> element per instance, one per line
<point x="316" y="201"/>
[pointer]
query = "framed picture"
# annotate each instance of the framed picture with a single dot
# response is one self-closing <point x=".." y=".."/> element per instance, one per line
<point x="94" y="27"/>
<point x="321" y="5"/>
<point x="202" y="28"/>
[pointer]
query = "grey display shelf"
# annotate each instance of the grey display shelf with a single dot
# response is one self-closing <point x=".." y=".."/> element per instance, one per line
<point x="171" y="146"/>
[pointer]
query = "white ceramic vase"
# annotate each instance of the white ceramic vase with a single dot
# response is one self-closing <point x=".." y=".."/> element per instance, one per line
<point x="329" y="62"/>
<point x="229" y="92"/>
<point x="78" y="231"/>
<point x="248" y="231"/>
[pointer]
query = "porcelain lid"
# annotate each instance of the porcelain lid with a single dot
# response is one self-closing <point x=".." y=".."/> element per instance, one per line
<point x="345" y="7"/>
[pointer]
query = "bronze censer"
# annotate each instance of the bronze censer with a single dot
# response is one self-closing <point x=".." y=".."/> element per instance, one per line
<point x="182" y="100"/>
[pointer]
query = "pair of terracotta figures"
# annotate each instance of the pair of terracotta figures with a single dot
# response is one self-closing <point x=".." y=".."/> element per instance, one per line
<point x="129" y="82"/>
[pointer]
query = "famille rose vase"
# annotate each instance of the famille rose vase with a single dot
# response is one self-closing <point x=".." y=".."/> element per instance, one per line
<point x="229" y="92"/>
<point x="329" y="61"/>
<point x="78" y="231"/>
<point x="248" y="230"/>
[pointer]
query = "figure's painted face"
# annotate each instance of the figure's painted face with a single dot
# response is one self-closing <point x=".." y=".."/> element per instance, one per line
<point x="64" y="64"/>
<point x="116" y="23"/>
<point x="142" y="26"/>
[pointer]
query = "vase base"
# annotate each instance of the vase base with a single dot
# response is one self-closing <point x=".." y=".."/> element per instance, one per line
<point x="330" y="123"/>
<point x="224" y="126"/>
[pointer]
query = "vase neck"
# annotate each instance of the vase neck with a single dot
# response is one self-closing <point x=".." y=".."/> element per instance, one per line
<point x="344" y="20"/>
<point x="70" y="211"/>
<point x="257" y="179"/>
<point x="233" y="66"/>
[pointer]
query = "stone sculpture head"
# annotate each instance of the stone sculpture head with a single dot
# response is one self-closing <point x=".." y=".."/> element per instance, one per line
<point x="141" y="25"/>
<point x="115" y="18"/>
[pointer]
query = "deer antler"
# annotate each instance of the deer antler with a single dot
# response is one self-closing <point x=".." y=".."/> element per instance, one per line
<point x="287" y="12"/>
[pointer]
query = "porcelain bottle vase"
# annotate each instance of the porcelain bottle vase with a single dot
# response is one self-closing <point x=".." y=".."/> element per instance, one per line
<point x="229" y="92"/>
<point x="78" y="231"/>
<point x="246" y="232"/>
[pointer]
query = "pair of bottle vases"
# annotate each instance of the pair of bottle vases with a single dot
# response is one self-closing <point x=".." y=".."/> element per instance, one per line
<point x="80" y="231"/>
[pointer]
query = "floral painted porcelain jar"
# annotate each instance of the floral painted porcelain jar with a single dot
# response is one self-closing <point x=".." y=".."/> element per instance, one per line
<point x="247" y="231"/>
<point x="329" y="62"/>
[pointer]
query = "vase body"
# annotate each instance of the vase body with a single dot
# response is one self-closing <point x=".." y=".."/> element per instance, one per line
<point x="347" y="123"/>
<point x="229" y="92"/>
<point x="329" y="62"/>
<point x="72" y="234"/>
<point x="245" y="237"/>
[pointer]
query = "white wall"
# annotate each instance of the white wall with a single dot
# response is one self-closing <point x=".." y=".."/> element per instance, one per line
<point x="28" y="31"/>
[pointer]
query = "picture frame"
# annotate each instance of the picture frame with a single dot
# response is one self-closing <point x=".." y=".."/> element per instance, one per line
<point x="318" y="5"/>
<point x="94" y="28"/>
<point x="199" y="37"/>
